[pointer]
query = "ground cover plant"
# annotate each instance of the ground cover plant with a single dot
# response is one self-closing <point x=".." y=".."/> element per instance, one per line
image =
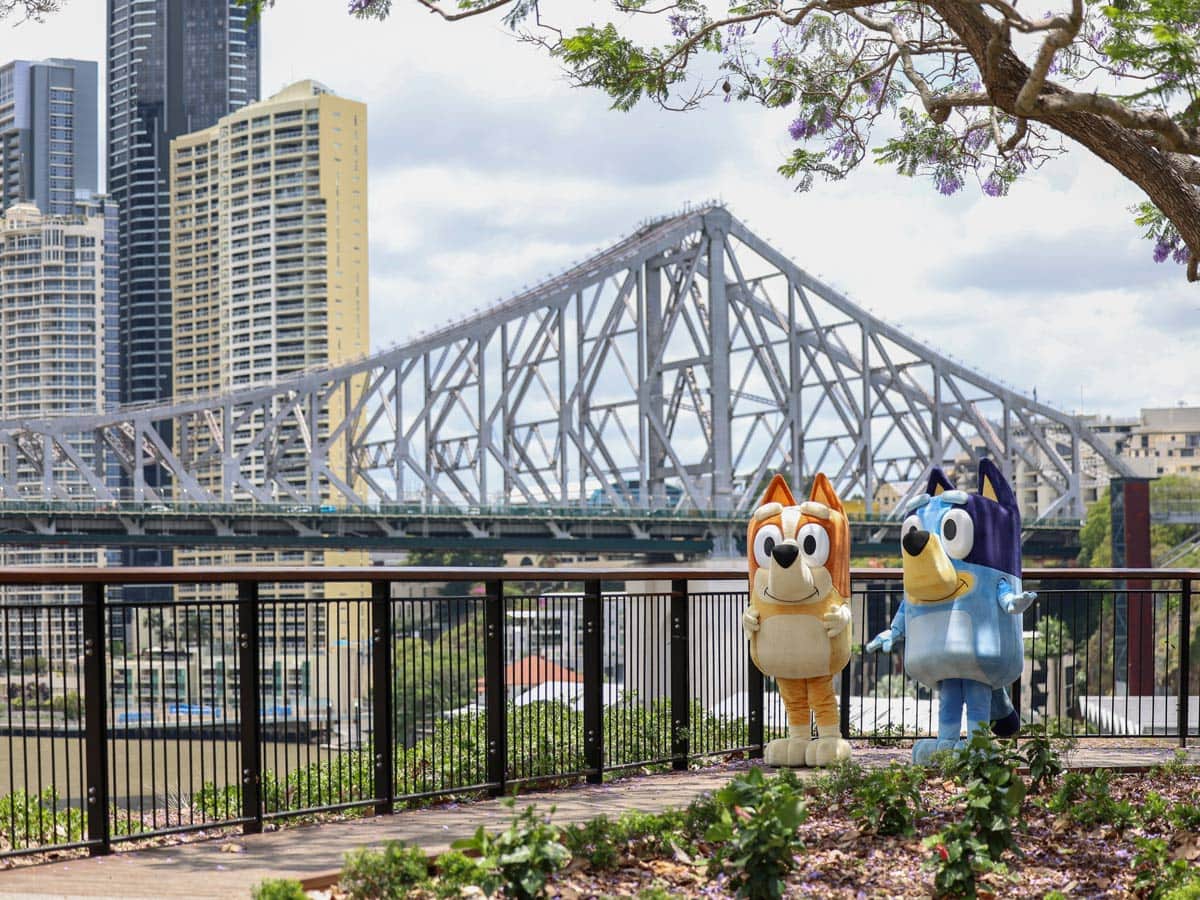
<point x="783" y="835"/>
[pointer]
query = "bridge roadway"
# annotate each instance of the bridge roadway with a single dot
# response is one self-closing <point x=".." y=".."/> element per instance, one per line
<point x="417" y="526"/>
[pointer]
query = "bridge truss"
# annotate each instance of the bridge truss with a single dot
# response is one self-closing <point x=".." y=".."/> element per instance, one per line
<point x="672" y="372"/>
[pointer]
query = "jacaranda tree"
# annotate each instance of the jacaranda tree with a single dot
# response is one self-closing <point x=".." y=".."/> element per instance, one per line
<point x="970" y="91"/>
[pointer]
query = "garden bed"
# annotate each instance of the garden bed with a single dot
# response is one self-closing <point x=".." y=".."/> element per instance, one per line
<point x="864" y="833"/>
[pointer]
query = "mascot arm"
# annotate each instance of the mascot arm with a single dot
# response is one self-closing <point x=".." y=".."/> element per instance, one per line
<point x="888" y="639"/>
<point x="1013" y="603"/>
<point x="837" y="619"/>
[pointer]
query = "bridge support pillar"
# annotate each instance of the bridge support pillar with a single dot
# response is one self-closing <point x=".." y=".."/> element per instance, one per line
<point x="1133" y="639"/>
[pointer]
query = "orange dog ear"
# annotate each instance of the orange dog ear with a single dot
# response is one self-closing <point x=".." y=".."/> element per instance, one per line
<point x="778" y="492"/>
<point x="823" y="492"/>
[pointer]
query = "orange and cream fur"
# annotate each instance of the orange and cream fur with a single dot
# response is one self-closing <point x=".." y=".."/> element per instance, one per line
<point x="799" y="614"/>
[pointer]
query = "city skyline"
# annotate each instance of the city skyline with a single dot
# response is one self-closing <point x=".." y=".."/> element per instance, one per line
<point x="447" y="238"/>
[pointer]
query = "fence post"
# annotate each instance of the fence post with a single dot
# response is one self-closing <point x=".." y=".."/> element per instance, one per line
<point x="681" y="690"/>
<point x="756" y="688"/>
<point x="495" y="694"/>
<point x="249" y="702"/>
<point x="383" y="708"/>
<point x="593" y="681"/>
<point x="1185" y="657"/>
<point x="95" y="718"/>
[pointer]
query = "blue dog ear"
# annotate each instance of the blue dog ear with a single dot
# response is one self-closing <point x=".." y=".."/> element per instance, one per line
<point x="993" y="485"/>
<point x="938" y="482"/>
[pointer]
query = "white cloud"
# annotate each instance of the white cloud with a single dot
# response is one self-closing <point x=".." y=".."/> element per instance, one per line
<point x="488" y="171"/>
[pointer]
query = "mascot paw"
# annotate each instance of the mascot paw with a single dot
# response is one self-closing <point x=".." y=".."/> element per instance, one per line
<point x="786" y="753"/>
<point x="836" y="621"/>
<point x="1007" y="726"/>
<point x="825" y="751"/>
<point x="750" y="623"/>
<point x="924" y="750"/>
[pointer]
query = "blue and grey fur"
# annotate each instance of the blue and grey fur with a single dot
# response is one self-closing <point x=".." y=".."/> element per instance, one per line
<point x="960" y="619"/>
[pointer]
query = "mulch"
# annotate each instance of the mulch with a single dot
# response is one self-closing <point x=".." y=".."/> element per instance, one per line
<point x="839" y="861"/>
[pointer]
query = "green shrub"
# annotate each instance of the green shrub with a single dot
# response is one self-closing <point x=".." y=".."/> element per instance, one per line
<point x="1156" y="875"/>
<point x="991" y="800"/>
<point x="1177" y="767"/>
<point x="455" y="871"/>
<point x="756" y="832"/>
<point x="278" y="889"/>
<point x="1155" y="811"/>
<point x="385" y="874"/>
<point x="1042" y="757"/>
<point x="521" y="858"/>
<point x="1087" y="800"/>
<point x="603" y="841"/>
<point x="31" y="820"/>
<point x="836" y="782"/>
<point x="1185" y="816"/>
<point x="958" y="858"/>
<point x="888" y="801"/>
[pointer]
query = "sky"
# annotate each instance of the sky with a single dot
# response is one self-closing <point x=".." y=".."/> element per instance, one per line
<point x="488" y="172"/>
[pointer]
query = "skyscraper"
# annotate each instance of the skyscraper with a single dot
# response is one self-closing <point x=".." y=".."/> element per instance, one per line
<point x="269" y="274"/>
<point x="48" y="127"/>
<point x="174" y="66"/>
<point x="54" y="294"/>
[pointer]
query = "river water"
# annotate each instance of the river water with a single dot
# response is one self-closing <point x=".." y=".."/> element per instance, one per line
<point x="145" y="773"/>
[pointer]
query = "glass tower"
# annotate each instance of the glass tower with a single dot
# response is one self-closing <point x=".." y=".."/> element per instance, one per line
<point x="174" y="66"/>
<point x="48" y="112"/>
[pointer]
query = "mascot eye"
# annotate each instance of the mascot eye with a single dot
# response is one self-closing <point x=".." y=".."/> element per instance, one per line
<point x="912" y="523"/>
<point x="958" y="533"/>
<point x="814" y="544"/>
<point x="765" y="540"/>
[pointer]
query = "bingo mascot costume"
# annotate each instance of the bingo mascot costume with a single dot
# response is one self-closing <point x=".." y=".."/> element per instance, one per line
<point x="960" y="619"/>
<point x="799" y="614"/>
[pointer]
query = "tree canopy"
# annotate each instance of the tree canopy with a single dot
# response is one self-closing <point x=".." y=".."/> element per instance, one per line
<point x="962" y="91"/>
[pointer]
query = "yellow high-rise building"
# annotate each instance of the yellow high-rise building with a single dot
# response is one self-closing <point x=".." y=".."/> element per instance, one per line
<point x="269" y="278"/>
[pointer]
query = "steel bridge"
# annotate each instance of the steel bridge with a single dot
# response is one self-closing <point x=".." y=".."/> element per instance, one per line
<point x="637" y="401"/>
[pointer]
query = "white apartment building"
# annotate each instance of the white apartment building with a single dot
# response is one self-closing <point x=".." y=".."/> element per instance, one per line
<point x="55" y="290"/>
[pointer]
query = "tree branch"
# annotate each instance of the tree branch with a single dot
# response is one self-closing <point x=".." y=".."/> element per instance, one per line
<point x="1060" y="37"/>
<point x="465" y="14"/>
<point x="1175" y="136"/>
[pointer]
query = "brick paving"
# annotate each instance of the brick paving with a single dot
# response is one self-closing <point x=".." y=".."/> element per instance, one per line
<point x="207" y="868"/>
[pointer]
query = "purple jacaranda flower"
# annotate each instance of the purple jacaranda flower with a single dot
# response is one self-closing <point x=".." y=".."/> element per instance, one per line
<point x="948" y="184"/>
<point x="977" y="138"/>
<point x="679" y="25"/>
<point x="1162" y="250"/>
<point x="875" y="89"/>
<point x="800" y="129"/>
<point x="994" y="186"/>
<point x="1181" y="254"/>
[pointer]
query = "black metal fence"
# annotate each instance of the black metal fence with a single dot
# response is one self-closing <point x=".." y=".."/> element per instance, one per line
<point x="265" y="693"/>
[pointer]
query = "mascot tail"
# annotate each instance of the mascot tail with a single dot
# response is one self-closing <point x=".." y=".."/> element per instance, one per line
<point x="1005" y="721"/>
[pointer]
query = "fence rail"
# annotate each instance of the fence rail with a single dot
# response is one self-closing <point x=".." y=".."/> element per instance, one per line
<point x="261" y="693"/>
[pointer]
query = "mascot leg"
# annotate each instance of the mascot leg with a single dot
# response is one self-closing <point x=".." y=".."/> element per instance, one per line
<point x="978" y="699"/>
<point x="789" y="751"/>
<point x="829" y="747"/>
<point x="950" y="704"/>
<point x="1005" y="721"/>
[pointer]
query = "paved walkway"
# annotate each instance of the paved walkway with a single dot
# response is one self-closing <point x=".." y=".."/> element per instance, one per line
<point x="205" y="870"/>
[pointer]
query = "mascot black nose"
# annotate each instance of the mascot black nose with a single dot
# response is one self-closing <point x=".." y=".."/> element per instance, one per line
<point x="914" y="541"/>
<point x="785" y="554"/>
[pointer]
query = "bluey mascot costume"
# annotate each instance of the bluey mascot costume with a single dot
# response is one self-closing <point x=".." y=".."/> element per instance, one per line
<point x="799" y="614"/>
<point x="960" y="619"/>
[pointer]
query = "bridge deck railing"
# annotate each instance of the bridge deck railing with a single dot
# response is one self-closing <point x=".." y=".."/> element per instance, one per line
<point x="139" y="702"/>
